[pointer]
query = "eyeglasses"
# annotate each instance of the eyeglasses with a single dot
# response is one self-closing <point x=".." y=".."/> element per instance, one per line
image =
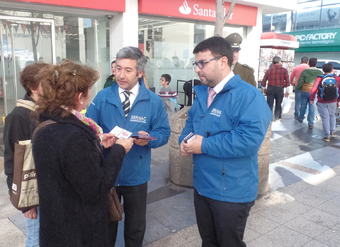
<point x="201" y="63"/>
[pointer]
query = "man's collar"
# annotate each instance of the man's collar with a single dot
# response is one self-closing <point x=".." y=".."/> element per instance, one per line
<point x="218" y="88"/>
<point x="134" y="90"/>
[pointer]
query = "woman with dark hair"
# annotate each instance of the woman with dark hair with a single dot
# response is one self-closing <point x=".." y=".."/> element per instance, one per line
<point x="74" y="177"/>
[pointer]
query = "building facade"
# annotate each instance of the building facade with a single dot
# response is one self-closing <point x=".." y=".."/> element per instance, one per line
<point x="91" y="32"/>
<point x="315" y="24"/>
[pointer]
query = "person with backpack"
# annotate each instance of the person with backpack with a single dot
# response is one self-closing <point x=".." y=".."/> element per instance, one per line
<point x="327" y="89"/>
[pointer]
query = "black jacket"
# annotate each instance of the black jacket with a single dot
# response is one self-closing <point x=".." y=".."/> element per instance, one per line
<point x="74" y="180"/>
<point x="18" y="127"/>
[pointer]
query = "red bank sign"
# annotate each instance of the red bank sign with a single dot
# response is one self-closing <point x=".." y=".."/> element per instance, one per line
<point x="108" y="5"/>
<point x="204" y="10"/>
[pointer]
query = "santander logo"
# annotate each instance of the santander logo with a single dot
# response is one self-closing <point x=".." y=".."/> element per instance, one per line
<point x="197" y="10"/>
<point x="184" y="8"/>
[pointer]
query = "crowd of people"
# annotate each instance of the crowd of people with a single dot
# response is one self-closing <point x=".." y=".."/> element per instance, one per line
<point x="79" y="157"/>
<point x="308" y="81"/>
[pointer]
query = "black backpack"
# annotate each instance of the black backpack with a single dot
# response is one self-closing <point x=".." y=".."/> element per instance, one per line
<point x="328" y="90"/>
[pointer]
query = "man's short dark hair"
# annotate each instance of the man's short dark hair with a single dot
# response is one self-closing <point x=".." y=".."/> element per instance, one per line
<point x="276" y="59"/>
<point x="218" y="46"/>
<point x="327" y="68"/>
<point x="304" y="60"/>
<point x="167" y="77"/>
<point x="312" y="61"/>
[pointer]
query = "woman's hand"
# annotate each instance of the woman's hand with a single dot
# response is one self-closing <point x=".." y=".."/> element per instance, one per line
<point x="126" y="143"/>
<point x="108" y="140"/>
<point x="31" y="214"/>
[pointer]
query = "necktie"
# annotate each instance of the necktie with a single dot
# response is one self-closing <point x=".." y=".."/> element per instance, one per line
<point x="126" y="103"/>
<point x="211" y="96"/>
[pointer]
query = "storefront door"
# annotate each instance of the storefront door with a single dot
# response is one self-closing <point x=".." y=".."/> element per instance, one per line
<point x="23" y="41"/>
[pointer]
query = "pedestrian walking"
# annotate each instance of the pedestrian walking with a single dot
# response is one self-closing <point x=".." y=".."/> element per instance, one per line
<point x="327" y="90"/>
<point x="294" y="79"/>
<point x="277" y="78"/>
<point x="305" y="84"/>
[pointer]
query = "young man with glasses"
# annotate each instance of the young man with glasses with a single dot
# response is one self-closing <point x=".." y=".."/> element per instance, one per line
<point x="228" y="120"/>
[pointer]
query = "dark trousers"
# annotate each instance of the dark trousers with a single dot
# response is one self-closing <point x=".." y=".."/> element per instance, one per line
<point x="134" y="203"/>
<point x="275" y="93"/>
<point x="221" y="224"/>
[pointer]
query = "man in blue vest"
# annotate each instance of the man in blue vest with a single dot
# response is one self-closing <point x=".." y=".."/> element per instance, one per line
<point x="229" y="120"/>
<point x="128" y="104"/>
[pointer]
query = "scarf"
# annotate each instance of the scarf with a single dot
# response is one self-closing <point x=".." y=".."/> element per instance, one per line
<point x="89" y="122"/>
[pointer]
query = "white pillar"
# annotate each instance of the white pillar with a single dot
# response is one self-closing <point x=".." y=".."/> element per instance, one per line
<point x="124" y="28"/>
<point x="250" y="51"/>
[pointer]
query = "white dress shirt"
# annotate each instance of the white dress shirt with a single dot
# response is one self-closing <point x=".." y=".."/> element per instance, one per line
<point x="134" y="92"/>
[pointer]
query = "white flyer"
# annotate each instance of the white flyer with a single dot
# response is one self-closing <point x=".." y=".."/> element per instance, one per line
<point x="120" y="132"/>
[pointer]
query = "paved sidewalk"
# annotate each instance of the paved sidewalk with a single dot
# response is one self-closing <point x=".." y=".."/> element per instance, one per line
<point x="297" y="215"/>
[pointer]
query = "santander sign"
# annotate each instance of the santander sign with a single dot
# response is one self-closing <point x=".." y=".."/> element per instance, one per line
<point x="203" y="10"/>
<point x="184" y="9"/>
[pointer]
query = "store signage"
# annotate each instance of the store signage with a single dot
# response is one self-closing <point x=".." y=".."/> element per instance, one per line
<point x="326" y="37"/>
<point x="108" y="5"/>
<point x="204" y="10"/>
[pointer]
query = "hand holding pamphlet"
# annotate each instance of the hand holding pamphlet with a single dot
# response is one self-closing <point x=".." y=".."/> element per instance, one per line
<point x="121" y="133"/>
<point x="144" y="137"/>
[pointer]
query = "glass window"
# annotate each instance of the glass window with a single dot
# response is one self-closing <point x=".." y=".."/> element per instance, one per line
<point x="266" y="23"/>
<point x="28" y="37"/>
<point x="169" y="46"/>
<point x="330" y="16"/>
<point x="307" y="19"/>
<point x="279" y="23"/>
<point x="84" y="40"/>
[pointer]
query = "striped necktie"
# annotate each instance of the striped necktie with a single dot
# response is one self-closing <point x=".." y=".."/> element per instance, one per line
<point x="126" y="103"/>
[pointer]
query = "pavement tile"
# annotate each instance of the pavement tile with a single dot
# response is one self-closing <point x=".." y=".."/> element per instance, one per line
<point x="188" y="236"/>
<point x="295" y="188"/>
<point x="332" y="206"/>
<point x="315" y="243"/>
<point x="260" y="224"/>
<point x="169" y="215"/>
<point x="322" y="218"/>
<point x="333" y="185"/>
<point x="250" y="235"/>
<point x="331" y="237"/>
<point x="282" y="213"/>
<point x="280" y="237"/>
<point x="317" y="195"/>
<point x="10" y="235"/>
<point x="307" y="227"/>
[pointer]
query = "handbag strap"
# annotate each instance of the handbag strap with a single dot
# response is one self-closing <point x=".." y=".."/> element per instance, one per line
<point x="42" y="125"/>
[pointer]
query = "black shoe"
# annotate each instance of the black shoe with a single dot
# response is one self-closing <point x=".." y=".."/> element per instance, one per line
<point x="326" y="139"/>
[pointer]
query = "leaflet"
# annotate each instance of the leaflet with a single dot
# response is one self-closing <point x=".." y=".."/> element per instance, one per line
<point x="121" y="133"/>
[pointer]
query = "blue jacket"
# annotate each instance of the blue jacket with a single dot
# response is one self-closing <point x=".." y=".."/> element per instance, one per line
<point x="147" y="113"/>
<point x="233" y="128"/>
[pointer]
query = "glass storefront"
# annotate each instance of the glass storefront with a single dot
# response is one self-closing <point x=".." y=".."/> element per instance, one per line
<point x="169" y="44"/>
<point x="28" y="37"/>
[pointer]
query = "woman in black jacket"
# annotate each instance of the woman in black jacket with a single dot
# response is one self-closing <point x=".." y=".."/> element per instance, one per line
<point x="74" y="176"/>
